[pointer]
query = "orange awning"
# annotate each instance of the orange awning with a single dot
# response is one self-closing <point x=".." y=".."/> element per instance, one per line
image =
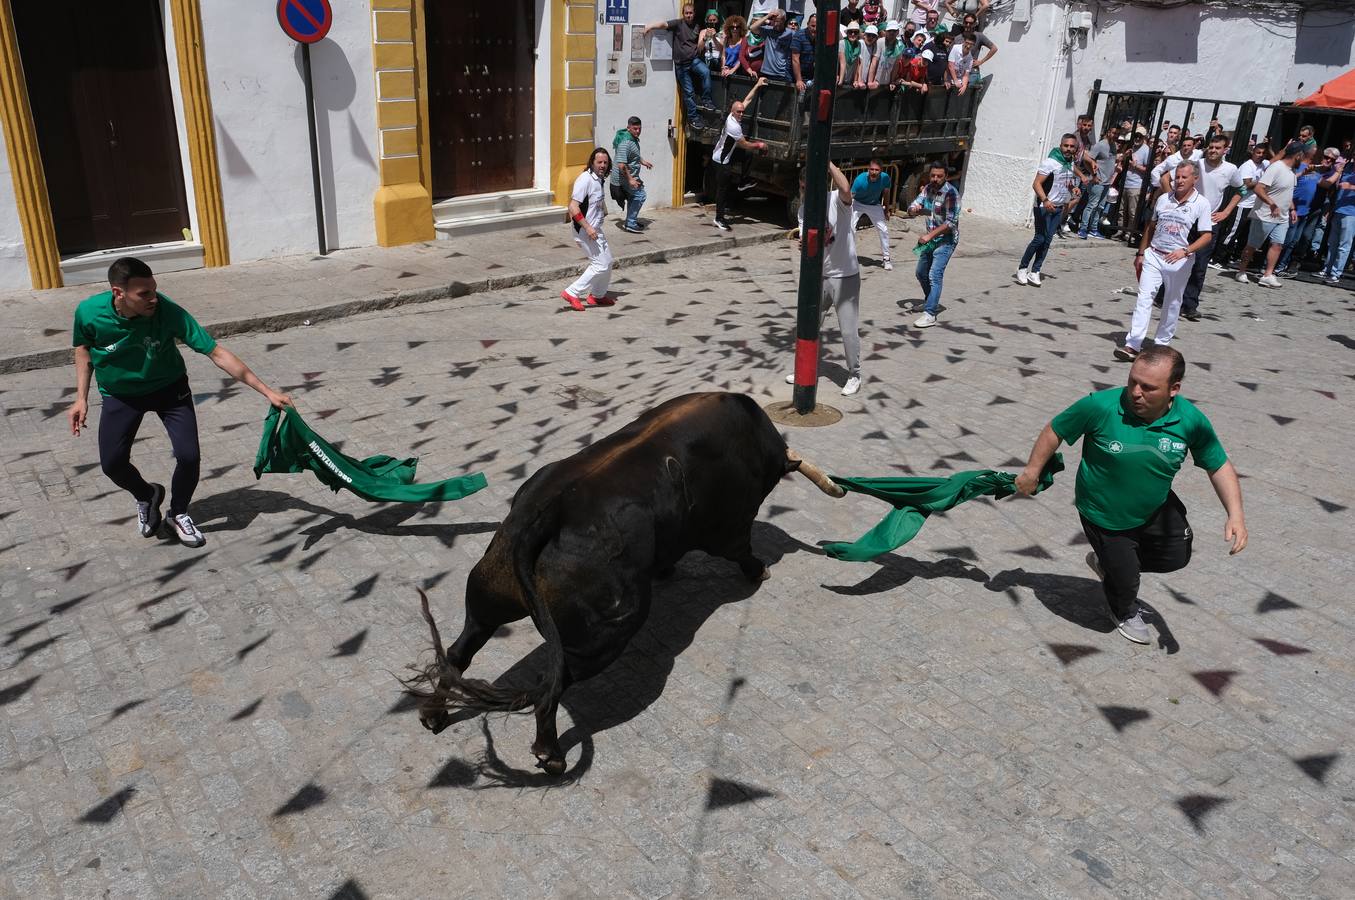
<point x="1339" y="93"/>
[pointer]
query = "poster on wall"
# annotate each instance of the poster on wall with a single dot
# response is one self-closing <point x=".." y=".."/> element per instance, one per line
<point x="661" y="45"/>
<point x="635" y="74"/>
<point x="637" y="43"/>
<point x="618" y="11"/>
<point x="618" y="35"/>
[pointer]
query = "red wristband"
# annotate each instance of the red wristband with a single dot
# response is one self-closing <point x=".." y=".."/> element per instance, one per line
<point x="578" y="217"/>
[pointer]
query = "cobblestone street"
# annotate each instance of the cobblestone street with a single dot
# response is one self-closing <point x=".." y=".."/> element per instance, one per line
<point x="958" y="719"/>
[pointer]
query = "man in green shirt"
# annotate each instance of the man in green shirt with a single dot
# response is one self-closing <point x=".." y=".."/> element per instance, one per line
<point x="126" y="336"/>
<point x="1137" y="439"/>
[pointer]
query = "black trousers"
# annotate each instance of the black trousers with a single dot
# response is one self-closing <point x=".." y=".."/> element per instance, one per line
<point x="119" y="421"/>
<point x="1190" y="301"/>
<point x="1162" y="544"/>
<point x="724" y="175"/>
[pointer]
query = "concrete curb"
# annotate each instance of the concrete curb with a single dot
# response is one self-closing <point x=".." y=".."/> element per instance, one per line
<point x="47" y="359"/>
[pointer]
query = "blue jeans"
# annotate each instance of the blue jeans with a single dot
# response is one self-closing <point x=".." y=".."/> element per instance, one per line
<point x="1046" y="225"/>
<point x="634" y="200"/>
<point x="684" y="72"/>
<point x="1338" y="248"/>
<point x="1300" y="231"/>
<point x="931" y="271"/>
<point x="1091" y="213"/>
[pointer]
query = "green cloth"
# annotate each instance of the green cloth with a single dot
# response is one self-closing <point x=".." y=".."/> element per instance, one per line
<point x="914" y="499"/>
<point x="289" y="445"/>
<point x="136" y="356"/>
<point x="1057" y="155"/>
<point x="1128" y="464"/>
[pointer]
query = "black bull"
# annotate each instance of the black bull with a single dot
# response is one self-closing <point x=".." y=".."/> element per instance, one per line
<point x="585" y="538"/>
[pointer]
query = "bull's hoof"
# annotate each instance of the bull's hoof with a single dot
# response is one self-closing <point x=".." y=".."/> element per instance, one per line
<point x="435" y="721"/>
<point x="553" y="765"/>
<point x="762" y="576"/>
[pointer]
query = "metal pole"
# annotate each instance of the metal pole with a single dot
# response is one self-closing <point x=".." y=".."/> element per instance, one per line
<point x="315" y="149"/>
<point x="814" y="203"/>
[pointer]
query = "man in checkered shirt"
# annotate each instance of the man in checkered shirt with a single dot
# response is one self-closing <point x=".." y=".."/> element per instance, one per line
<point x="939" y="201"/>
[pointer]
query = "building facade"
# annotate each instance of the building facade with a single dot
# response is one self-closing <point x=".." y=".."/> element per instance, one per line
<point x="177" y="129"/>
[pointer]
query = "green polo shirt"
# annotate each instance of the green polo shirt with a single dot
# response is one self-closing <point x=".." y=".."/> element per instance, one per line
<point x="136" y="356"/>
<point x="1128" y="464"/>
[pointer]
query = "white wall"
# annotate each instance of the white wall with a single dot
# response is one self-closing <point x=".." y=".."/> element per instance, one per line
<point x="1191" y="51"/>
<point x="258" y="100"/>
<point x="652" y="102"/>
<point x="13" y="259"/>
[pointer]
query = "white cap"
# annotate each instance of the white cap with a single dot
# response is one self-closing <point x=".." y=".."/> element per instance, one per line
<point x="871" y="29"/>
<point x="853" y="26"/>
<point x="891" y="25"/>
<point x="928" y="55"/>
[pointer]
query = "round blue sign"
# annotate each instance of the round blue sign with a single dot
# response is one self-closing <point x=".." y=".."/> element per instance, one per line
<point x="306" y="21"/>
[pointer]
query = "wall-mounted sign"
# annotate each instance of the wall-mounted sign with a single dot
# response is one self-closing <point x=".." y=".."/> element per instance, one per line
<point x="635" y="74"/>
<point x="637" y="43"/>
<point x="618" y="11"/>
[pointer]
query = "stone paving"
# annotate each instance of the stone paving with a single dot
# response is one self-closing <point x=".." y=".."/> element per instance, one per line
<point x="957" y="719"/>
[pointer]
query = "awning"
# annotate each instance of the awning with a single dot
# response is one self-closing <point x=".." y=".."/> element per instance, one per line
<point x="1339" y="93"/>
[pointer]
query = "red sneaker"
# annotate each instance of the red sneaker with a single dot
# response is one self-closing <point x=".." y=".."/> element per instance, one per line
<point x="572" y="300"/>
<point x="604" y="300"/>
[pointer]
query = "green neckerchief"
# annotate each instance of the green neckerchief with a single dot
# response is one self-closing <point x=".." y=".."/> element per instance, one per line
<point x="1057" y="155"/>
<point x="289" y="445"/>
<point x="914" y="499"/>
<point x="621" y="135"/>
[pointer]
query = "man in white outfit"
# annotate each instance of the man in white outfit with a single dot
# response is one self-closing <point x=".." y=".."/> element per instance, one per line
<point x="1180" y="227"/>
<point x="587" y="209"/>
<point x="870" y="190"/>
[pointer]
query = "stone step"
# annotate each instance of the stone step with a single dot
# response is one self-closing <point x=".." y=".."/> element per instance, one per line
<point x="485" y="204"/>
<point x="493" y="221"/>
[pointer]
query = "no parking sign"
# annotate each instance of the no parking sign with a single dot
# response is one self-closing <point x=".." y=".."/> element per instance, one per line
<point x="305" y="21"/>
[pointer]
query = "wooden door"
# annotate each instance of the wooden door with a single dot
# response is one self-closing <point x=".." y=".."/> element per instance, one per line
<point x="481" y="73"/>
<point x="98" y="85"/>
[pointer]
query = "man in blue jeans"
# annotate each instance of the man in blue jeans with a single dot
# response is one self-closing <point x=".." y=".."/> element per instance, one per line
<point x="1057" y="187"/>
<point x="628" y="189"/>
<point x="1342" y="223"/>
<point x="687" y="37"/>
<point x="940" y="203"/>
<point x="1102" y="153"/>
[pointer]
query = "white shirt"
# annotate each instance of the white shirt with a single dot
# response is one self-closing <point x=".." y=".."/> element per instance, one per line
<point x="1176" y="219"/>
<point x="1170" y="163"/>
<point x="729" y="138"/>
<point x="1060" y="190"/>
<point x="1250" y="171"/>
<point x="839" y="257"/>
<point x="761" y="8"/>
<point x="588" y="194"/>
<point x="1133" y="181"/>
<point x="962" y="61"/>
<point x="1213" y="182"/>
<point x="1279" y="180"/>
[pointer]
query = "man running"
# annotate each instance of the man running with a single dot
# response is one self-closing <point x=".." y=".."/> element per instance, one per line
<point x="125" y="336"/>
<point x="1137" y="439"/>
<point x="939" y="201"/>
<point x="869" y="191"/>
<point x="1180" y="227"/>
<point x="1057" y="186"/>
<point x="722" y="157"/>
<point x="1272" y="215"/>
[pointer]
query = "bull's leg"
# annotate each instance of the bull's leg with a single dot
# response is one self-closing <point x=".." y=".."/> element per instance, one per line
<point x="546" y="747"/>
<point x="741" y="552"/>
<point x="483" y="617"/>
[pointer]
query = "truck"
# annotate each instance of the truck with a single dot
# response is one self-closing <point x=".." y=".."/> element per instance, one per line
<point x="905" y="128"/>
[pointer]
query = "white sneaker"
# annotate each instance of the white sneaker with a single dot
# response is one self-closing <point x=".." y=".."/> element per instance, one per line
<point x="889" y="266"/>
<point x="1269" y="281"/>
<point x="790" y="379"/>
<point x="148" y="516"/>
<point x="1034" y="278"/>
<point x="186" y="531"/>
<point x="1022" y="276"/>
<point x="926" y="320"/>
<point x="1216" y="266"/>
<point x="1241" y="278"/>
<point x="852" y="386"/>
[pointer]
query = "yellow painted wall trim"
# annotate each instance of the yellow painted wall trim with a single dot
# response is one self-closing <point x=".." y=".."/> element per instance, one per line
<point x="573" y="51"/>
<point x="201" y="129"/>
<point x="679" y="154"/>
<point x="403" y="206"/>
<point x="25" y="162"/>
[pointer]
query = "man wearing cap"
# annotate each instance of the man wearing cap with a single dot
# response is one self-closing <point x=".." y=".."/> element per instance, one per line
<point x="870" y="190"/>
<point x="1342" y="184"/>
<point x="870" y="50"/>
<point x="1137" y="440"/>
<point x="1273" y="213"/>
<point x="777" y="43"/>
<point x="1180" y="227"/>
<point x="1311" y="196"/>
<point x="849" y="72"/>
<point x="884" y="66"/>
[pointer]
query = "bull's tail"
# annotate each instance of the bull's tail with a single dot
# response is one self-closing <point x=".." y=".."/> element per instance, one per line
<point x="439" y="687"/>
<point x="797" y="463"/>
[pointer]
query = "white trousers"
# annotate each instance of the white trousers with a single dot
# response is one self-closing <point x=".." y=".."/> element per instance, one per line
<point x="598" y="275"/>
<point x="1172" y="278"/>
<point x="876" y="214"/>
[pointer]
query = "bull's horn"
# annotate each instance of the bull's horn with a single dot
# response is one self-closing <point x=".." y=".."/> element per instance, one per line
<point x="815" y="474"/>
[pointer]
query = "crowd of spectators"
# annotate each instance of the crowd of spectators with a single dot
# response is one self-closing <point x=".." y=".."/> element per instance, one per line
<point x="928" y="45"/>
